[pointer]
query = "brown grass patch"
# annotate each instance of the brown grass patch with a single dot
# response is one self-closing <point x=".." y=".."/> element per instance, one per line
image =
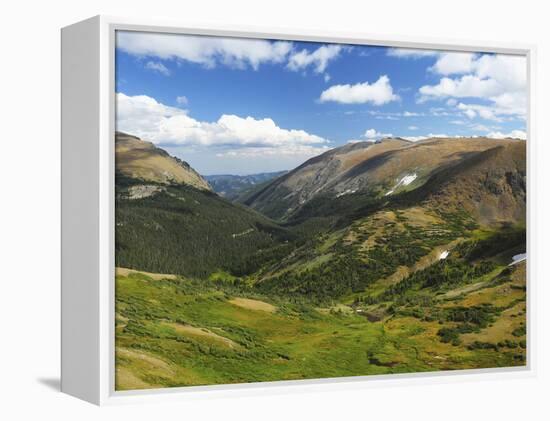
<point x="426" y="342"/>
<point x="144" y="358"/>
<point x="189" y="330"/>
<point x="353" y="158"/>
<point x="499" y="296"/>
<point x="142" y="160"/>
<point x="155" y="276"/>
<point x="418" y="216"/>
<point x="250" y="304"/>
<point x="502" y="328"/>
<point x="126" y="380"/>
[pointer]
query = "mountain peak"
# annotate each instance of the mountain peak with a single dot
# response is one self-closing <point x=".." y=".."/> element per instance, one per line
<point x="143" y="160"/>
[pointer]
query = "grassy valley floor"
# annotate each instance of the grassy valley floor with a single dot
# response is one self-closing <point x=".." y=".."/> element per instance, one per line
<point x="172" y="331"/>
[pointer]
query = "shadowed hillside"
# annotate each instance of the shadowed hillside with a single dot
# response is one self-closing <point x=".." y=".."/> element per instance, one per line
<point x="382" y="169"/>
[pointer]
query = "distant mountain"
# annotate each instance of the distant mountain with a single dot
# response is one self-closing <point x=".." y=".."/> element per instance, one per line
<point x="286" y="194"/>
<point x="233" y="186"/>
<point x="389" y="168"/>
<point x="142" y="160"/>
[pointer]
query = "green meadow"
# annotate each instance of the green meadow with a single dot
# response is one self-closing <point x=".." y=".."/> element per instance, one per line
<point x="180" y="332"/>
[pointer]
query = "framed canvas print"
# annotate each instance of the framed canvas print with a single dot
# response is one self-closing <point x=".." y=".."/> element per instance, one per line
<point x="243" y="209"/>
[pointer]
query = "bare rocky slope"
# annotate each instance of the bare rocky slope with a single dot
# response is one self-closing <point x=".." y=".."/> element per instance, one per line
<point x="141" y="160"/>
<point x="490" y="173"/>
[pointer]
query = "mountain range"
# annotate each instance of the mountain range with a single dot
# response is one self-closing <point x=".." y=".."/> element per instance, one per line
<point x="478" y="177"/>
<point x="492" y="172"/>
<point x="372" y="258"/>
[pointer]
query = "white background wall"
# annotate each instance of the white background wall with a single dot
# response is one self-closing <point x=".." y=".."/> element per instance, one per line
<point x="29" y="211"/>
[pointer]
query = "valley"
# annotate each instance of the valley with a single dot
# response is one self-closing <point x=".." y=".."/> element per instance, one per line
<point x="239" y="187"/>
<point x="372" y="258"/>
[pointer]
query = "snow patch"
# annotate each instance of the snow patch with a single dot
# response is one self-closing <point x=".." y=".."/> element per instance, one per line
<point x="518" y="258"/>
<point x="405" y="181"/>
<point x="348" y="191"/>
<point x="408" y="179"/>
<point x="240" y="234"/>
<point x="444" y="255"/>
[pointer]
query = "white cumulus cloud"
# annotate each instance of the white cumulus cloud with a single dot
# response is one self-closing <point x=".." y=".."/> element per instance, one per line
<point x="424" y="137"/>
<point x="204" y="50"/>
<point x="449" y="63"/>
<point x="182" y="100"/>
<point x="496" y="112"/>
<point x="302" y="151"/>
<point x="480" y="128"/>
<point x="514" y="134"/>
<point x="373" y="134"/>
<point x="500" y="80"/>
<point x="451" y="102"/>
<point x="318" y="59"/>
<point x="509" y="71"/>
<point x="157" y="66"/>
<point x="377" y="93"/>
<point x="151" y="120"/>
<point x="411" y="53"/>
<point x="466" y="86"/>
<point x="142" y="115"/>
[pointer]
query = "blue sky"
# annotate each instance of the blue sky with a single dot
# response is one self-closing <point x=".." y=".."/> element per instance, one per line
<point x="245" y="106"/>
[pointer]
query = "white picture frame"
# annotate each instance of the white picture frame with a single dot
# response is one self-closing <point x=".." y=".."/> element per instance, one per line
<point x="88" y="211"/>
